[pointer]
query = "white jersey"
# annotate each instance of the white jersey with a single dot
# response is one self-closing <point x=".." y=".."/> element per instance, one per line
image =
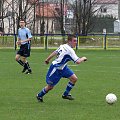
<point x="65" y="54"/>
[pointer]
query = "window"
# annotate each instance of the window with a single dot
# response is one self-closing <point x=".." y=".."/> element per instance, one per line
<point x="103" y="10"/>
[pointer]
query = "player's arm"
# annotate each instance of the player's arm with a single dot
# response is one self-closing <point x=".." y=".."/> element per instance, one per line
<point x="75" y="58"/>
<point x="18" y="42"/>
<point x="29" y="39"/>
<point x="82" y="59"/>
<point x="50" y="57"/>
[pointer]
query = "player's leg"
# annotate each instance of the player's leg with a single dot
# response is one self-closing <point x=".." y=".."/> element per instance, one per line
<point x="45" y="90"/>
<point x="26" y="53"/>
<point x="17" y="58"/>
<point x="52" y="78"/>
<point x="69" y="87"/>
<point x="22" y="61"/>
<point x="19" y="55"/>
<point x="28" y="67"/>
<point x="73" y="78"/>
<point x="25" y="65"/>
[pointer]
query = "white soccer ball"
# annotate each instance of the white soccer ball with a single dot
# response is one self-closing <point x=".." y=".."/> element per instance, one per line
<point x="111" y="98"/>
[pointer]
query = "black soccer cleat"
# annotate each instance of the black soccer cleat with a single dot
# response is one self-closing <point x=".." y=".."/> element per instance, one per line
<point x="40" y="99"/>
<point x="69" y="97"/>
<point x="29" y="72"/>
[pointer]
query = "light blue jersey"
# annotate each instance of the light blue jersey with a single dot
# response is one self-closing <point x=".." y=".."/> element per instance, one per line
<point x="23" y="33"/>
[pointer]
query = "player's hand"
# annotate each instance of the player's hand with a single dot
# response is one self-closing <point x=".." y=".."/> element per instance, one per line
<point x="18" y="42"/>
<point x="84" y="59"/>
<point x="46" y="62"/>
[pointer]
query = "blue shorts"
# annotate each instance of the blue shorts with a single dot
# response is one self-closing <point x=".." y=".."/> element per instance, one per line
<point x="24" y="50"/>
<point x="54" y="75"/>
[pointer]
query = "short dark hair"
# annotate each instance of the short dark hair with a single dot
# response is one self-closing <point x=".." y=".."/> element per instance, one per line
<point x="22" y="19"/>
<point x="71" y="36"/>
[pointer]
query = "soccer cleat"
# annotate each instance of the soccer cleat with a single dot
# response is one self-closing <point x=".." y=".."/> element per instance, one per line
<point x="40" y="99"/>
<point x="69" y="97"/>
<point x="24" y="69"/>
<point x="29" y="72"/>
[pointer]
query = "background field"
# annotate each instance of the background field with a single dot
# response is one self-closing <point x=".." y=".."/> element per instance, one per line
<point x="97" y="77"/>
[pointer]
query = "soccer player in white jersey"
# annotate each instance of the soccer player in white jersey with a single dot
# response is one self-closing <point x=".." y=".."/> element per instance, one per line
<point x="59" y="68"/>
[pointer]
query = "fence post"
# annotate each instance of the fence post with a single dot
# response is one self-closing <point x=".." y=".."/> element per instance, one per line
<point x="46" y="47"/>
<point x="105" y="41"/>
<point x="15" y="39"/>
<point x="77" y="41"/>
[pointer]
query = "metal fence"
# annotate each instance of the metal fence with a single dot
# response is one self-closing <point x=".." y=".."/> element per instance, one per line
<point x="51" y="41"/>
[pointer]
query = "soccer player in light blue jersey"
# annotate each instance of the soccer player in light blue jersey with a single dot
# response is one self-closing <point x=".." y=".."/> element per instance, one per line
<point x="59" y="68"/>
<point x="24" y="38"/>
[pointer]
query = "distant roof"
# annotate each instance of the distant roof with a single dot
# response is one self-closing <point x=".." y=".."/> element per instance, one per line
<point x="49" y="10"/>
<point x="46" y="11"/>
<point x="32" y="1"/>
<point x="106" y="1"/>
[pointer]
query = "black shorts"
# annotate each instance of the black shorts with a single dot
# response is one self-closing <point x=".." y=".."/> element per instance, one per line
<point x="24" y="50"/>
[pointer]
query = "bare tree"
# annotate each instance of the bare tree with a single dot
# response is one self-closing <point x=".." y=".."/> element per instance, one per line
<point x="83" y="11"/>
<point x="14" y="10"/>
<point x="2" y="14"/>
<point x="59" y="14"/>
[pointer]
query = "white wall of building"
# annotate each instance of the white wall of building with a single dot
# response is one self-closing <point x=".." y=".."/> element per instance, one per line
<point x="111" y="10"/>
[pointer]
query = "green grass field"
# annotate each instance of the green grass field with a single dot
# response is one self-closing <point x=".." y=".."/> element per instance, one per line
<point x="97" y="77"/>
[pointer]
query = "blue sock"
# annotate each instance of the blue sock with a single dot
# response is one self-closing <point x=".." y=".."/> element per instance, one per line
<point x="42" y="93"/>
<point x="68" y="88"/>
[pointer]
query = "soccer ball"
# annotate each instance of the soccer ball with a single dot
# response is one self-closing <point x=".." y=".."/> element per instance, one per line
<point x="111" y="98"/>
